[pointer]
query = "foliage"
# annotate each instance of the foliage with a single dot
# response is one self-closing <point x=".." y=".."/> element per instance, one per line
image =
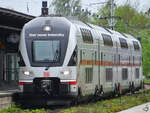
<point x="59" y="7"/>
<point x="70" y="8"/>
<point x="130" y="19"/>
<point x="67" y="7"/>
<point x="103" y="12"/>
<point x="146" y="80"/>
<point x="17" y="109"/>
<point x="146" y="53"/>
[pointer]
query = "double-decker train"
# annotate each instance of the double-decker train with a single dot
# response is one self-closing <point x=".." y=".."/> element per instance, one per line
<point x="66" y="58"/>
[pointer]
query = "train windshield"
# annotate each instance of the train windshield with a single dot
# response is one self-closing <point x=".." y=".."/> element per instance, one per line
<point x="46" y="51"/>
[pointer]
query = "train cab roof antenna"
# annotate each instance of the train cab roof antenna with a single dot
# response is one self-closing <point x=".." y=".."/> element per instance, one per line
<point x="44" y="10"/>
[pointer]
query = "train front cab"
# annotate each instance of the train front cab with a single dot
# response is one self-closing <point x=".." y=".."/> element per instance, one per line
<point x="37" y="74"/>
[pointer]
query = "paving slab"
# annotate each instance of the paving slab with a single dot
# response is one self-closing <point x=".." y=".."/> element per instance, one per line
<point x="144" y="108"/>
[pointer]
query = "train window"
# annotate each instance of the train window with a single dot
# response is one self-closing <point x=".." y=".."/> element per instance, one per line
<point x="136" y="45"/>
<point x="80" y="55"/>
<point x="46" y="51"/>
<point x="107" y="40"/>
<point x="124" y="74"/>
<point x="101" y="57"/>
<point x="73" y="59"/>
<point x="123" y="43"/>
<point x="119" y="59"/>
<point x="87" y="36"/>
<point x="89" y="75"/>
<point x="109" y="74"/>
<point x="137" y="74"/>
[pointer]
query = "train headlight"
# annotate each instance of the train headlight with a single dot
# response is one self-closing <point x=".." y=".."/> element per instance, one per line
<point x="26" y="73"/>
<point x="66" y="72"/>
<point x="47" y="28"/>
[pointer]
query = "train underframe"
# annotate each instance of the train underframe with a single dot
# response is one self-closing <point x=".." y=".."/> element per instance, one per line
<point x="50" y="91"/>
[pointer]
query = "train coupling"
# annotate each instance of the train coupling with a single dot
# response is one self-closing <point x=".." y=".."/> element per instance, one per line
<point x="46" y="85"/>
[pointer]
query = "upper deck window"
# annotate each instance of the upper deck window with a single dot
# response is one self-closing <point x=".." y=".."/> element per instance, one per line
<point x="123" y="43"/>
<point x="136" y="45"/>
<point x="107" y="40"/>
<point x="46" y="51"/>
<point x="87" y="36"/>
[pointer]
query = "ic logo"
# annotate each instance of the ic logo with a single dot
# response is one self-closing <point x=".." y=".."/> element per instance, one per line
<point x="146" y="108"/>
<point x="46" y="74"/>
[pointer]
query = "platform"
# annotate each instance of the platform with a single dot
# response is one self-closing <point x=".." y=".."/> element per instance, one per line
<point x="6" y="98"/>
<point x="144" y="108"/>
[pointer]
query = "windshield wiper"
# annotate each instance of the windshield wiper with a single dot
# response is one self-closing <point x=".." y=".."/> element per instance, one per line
<point x="56" y="56"/>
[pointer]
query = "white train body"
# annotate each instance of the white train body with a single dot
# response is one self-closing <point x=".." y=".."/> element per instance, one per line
<point x="63" y="57"/>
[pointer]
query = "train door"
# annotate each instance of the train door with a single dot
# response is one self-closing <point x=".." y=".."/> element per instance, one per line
<point x="86" y="67"/>
<point x="81" y="67"/>
<point x="2" y="77"/>
<point x="88" y="71"/>
<point x="108" y="70"/>
<point x="124" y="70"/>
<point x="11" y="69"/>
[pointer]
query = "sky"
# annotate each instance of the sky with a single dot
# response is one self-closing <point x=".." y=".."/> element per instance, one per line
<point x="35" y="5"/>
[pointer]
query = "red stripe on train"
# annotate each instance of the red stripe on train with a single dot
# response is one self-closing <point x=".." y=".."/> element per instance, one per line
<point x="70" y="82"/>
<point x="21" y="83"/>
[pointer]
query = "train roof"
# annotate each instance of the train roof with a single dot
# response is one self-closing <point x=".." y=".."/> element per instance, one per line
<point x="102" y="29"/>
<point x="80" y="24"/>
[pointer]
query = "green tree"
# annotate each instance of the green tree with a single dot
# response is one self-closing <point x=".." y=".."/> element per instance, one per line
<point x="145" y="50"/>
<point x="103" y="12"/>
<point x="130" y="19"/>
<point x="67" y="7"/>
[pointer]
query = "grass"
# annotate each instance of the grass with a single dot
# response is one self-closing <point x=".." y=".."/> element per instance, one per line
<point x="146" y="80"/>
<point x="112" y="105"/>
<point x="104" y="106"/>
<point x="16" y="109"/>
